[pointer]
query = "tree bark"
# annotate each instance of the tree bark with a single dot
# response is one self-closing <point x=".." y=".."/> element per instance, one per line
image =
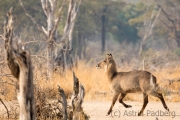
<point x="26" y="95"/>
<point x="64" y="102"/>
<point x="77" y="98"/>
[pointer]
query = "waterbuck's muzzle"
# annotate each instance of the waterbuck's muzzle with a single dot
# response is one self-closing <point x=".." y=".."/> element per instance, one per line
<point x="97" y="66"/>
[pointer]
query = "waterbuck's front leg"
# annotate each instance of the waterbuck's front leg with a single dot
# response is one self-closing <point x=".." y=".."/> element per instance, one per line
<point x="115" y="96"/>
<point x="121" y="97"/>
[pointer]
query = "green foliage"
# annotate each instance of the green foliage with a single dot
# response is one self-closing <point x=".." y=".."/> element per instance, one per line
<point x="117" y="14"/>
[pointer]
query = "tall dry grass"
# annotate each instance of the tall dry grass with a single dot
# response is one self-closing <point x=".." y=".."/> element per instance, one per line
<point x="97" y="86"/>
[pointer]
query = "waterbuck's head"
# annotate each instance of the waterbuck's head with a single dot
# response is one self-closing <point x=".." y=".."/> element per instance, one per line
<point x="107" y="63"/>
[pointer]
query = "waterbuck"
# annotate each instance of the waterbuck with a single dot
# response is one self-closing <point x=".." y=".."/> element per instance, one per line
<point x="130" y="82"/>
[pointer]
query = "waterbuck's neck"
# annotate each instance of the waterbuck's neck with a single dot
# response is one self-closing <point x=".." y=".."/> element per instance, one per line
<point x="111" y="70"/>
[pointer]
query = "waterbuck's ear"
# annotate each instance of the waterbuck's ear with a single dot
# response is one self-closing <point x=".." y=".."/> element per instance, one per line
<point x="109" y="55"/>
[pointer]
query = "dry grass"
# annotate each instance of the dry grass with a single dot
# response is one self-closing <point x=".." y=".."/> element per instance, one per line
<point x="97" y="87"/>
<point x="95" y="83"/>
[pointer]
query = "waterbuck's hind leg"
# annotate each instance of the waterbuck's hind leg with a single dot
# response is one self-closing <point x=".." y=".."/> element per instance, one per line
<point x="121" y="97"/>
<point x="159" y="95"/>
<point x="145" y="102"/>
<point x="115" y="96"/>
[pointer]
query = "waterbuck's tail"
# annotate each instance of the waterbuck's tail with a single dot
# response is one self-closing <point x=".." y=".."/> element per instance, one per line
<point x="153" y="83"/>
<point x="155" y="86"/>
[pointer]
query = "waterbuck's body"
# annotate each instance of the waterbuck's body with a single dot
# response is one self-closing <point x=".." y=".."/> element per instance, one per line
<point x="130" y="82"/>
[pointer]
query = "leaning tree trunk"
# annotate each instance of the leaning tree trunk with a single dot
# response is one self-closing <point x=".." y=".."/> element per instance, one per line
<point x="19" y="62"/>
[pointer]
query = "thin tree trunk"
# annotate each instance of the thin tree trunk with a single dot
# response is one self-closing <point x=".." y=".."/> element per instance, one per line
<point x="103" y="33"/>
<point x="177" y="39"/>
<point x="79" y="45"/>
<point x="50" y="65"/>
<point x="141" y="48"/>
<point x="84" y="48"/>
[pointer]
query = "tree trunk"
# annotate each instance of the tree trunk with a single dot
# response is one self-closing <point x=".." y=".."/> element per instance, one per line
<point x="8" y="34"/>
<point x="177" y="37"/>
<point x="22" y="70"/>
<point x="50" y="65"/>
<point x="79" y="45"/>
<point x="64" y="102"/>
<point x="26" y="87"/>
<point x="103" y="33"/>
<point x="84" y="48"/>
<point x="77" y="99"/>
<point x="141" y="48"/>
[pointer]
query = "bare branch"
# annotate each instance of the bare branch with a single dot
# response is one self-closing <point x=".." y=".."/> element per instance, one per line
<point x="5" y="107"/>
<point x="58" y="18"/>
<point x="2" y="36"/>
<point x="43" y="3"/>
<point x="72" y="12"/>
<point x="33" y="20"/>
<point x="45" y="31"/>
<point x="167" y="16"/>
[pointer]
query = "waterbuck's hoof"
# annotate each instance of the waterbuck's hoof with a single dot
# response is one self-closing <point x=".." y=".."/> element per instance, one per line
<point x="140" y="114"/>
<point x="108" y="113"/>
<point x="128" y="106"/>
<point x="167" y="109"/>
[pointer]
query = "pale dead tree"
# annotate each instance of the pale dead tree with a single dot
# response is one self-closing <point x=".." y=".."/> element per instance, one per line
<point x="144" y="63"/>
<point x="68" y="31"/>
<point x="19" y="62"/>
<point x="72" y="12"/>
<point x="149" y="24"/>
<point x="63" y="101"/>
<point x="8" y="36"/>
<point x="170" y="18"/>
<point x="77" y="99"/>
<point x="26" y="88"/>
<point x="49" y="7"/>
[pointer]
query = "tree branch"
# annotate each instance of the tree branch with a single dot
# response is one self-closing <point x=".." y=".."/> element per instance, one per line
<point x="32" y="19"/>
<point x="5" y="107"/>
<point x="167" y="16"/>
